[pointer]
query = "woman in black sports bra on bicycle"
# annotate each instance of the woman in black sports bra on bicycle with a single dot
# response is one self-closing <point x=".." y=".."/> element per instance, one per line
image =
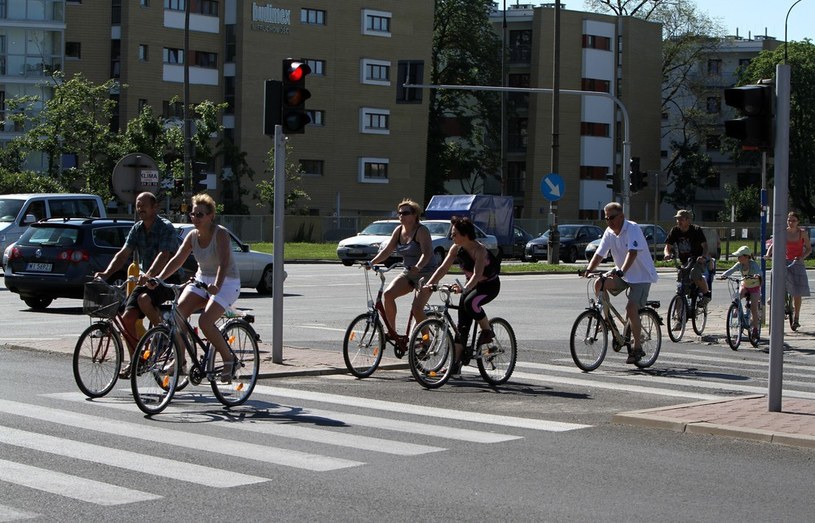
<point x="410" y="240"/>
<point x="482" y="286"/>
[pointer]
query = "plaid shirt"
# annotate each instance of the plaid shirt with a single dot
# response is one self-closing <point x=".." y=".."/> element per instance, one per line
<point x="148" y="245"/>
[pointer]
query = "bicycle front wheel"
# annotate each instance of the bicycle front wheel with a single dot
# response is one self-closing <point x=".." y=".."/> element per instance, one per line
<point x="97" y="359"/>
<point x="363" y="345"/>
<point x="589" y="340"/>
<point x="733" y="326"/>
<point x="498" y="358"/>
<point x="154" y="370"/>
<point x="430" y="353"/>
<point x="650" y="337"/>
<point x="699" y="319"/>
<point x="677" y="318"/>
<point x="235" y="387"/>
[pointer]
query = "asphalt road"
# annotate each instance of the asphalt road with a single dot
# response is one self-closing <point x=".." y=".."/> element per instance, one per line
<point x="542" y="448"/>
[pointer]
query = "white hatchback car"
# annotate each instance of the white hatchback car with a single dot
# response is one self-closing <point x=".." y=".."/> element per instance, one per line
<point x="365" y="245"/>
<point x="255" y="267"/>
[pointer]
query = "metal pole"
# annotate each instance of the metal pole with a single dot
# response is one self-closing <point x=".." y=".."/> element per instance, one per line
<point x="554" y="235"/>
<point x="188" y="154"/>
<point x="278" y="238"/>
<point x="782" y="136"/>
<point x="786" y="18"/>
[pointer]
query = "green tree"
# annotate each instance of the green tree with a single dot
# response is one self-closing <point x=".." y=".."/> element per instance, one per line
<point x="466" y="51"/>
<point x="296" y="196"/>
<point x="27" y="182"/>
<point x="689" y="170"/>
<point x="801" y="58"/>
<point x="744" y="202"/>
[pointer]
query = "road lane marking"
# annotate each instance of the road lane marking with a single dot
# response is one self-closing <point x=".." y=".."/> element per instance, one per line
<point x="12" y="514"/>
<point x="166" y="436"/>
<point x="70" y="486"/>
<point x="420" y="410"/>
<point x="138" y="462"/>
<point x="260" y="422"/>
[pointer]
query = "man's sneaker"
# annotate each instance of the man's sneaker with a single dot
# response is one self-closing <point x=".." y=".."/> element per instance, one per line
<point x="485" y="337"/>
<point x="704" y="299"/>
<point x="125" y="372"/>
<point x="754" y="334"/>
<point x="635" y="355"/>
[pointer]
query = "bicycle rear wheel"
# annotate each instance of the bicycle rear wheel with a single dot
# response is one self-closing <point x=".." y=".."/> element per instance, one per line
<point x="498" y="358"/>
<point x="589" y="340"/>
<point x="677" y="318"/>
<point x="154" y="370"/>
<point x="699" y="319"/>
<point x="650" y="337"/>
<point x="363" y="345"/>
<point x="234" y="388"/>
<point x="97" y="359"/>
<point x="430" y="353"/>
<point x="733" y="326"/>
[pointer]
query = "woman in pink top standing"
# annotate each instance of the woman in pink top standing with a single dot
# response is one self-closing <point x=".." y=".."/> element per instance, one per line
<point x="797" y="250"/>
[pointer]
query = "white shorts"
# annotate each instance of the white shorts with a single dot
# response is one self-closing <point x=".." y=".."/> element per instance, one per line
<point x="227" y="295"/>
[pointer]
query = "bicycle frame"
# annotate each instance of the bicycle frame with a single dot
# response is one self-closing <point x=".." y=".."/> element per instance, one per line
<point x="607" y="309"/>
<point x="399" y="341"/>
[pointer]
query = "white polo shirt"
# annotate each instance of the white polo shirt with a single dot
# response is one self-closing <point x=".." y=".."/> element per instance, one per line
<point x="630" y="238"/>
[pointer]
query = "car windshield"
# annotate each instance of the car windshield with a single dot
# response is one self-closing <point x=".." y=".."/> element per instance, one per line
<point x="438" y="228"/>
<point x="49" y="236"/>
<point x="379" y="229"/>
<point x="566" y="231"/>
<point x="9" y="209"/>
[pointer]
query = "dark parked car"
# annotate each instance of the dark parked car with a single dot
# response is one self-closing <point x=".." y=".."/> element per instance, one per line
<point x="654" y="234"/>
<point x="573" y="242"/>
<point x="55" y="258"/>
<point x="519" y="240"/>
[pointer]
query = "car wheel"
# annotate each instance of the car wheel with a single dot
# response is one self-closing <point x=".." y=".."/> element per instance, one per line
<point x="266" y="283"/>
<point x="38" y="303"/>
<point x="438" y="256"/>
<point x="571" y="255"/>
<point x="347" y="263"/>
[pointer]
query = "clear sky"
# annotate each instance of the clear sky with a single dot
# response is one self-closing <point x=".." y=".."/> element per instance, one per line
<point x="748" y="16"/>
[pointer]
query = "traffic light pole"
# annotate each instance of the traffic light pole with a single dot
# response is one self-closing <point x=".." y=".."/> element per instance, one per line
<point x="626" y="179"/>
<point x="278" y="238"/>
<point x="779" y="271"/>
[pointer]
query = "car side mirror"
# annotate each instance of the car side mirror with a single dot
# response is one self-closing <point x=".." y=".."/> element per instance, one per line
<point x="245" y="247"/>
<point x="29" y="218"/>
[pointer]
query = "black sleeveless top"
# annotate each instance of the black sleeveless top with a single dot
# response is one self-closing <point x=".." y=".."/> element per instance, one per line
<point x="492" y="267"/>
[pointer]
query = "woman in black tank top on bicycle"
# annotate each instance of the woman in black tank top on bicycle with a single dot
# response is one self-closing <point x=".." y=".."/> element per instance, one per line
<point x="481" y="269"/>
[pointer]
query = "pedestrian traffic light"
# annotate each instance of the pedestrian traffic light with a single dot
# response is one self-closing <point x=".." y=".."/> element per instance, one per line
<point x="636" y="176"/>
<point x="613" y="182"/>
<point x="293" y="97"/>
<point x="755" y="127"/>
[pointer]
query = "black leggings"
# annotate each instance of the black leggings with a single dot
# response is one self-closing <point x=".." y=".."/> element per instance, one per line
<point x="470" y="306"/>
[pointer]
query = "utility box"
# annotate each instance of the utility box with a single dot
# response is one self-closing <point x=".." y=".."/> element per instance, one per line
<point x="493" y="214"/>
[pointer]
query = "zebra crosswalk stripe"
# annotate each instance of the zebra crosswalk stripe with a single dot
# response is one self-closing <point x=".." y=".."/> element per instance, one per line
<point x="12" y="514"/>
<point x="124" y="459"/>
<point x="420" y="410"/>
<point x="69" y="486"/>
<point x="165" y="436"/>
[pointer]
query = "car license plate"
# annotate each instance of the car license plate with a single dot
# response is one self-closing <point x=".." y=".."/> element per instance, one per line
<point x="38" y="267"/>
<point x="354" y="252"/>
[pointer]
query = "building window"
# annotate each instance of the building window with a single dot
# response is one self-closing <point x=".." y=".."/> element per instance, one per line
<point x="593" y="84"/>
<point x="174" y="5"/>
<point x="516" y="178"/>
<point x="374" y="121"/>
<point x="144" y="3"/>
<point x="229" y="94"/>
<point x="144" y="54"/>
<point x="172" y="109"/>
<point x="115" y="58"/>
<point x="373" y="170"/>
<point x="312" y="167"/>
<point x="142" y="104"/>
<point x="230" y="44"/>
<point x="116" y="12"/>
<point x="317" y="116"/>
<point x="312" y="16"/>
<point x="317" y="67"/>
<point x="376" y="23"/>
<point x="593" y="172"/>
<point x="602" y="43"/>
<point x="375" y="72"/>
<point x="517" y="134"/>
<point x="594" y="129"/>
<point x="203" y="59"/>
<point x="409" y="72"/>
<point x="205" y="7"/>
<point x="73" y="50"/>
<point x="173" y="56"/>
<point x="714" y="67"/>
<point x="520" y="46"/>
<point x="714" y="105"/>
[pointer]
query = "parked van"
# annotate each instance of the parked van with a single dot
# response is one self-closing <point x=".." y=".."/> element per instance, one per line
<point x="18" y="211"/>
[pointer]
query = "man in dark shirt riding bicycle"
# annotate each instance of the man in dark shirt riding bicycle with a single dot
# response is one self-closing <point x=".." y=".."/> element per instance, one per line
<point x="686" y="240"/>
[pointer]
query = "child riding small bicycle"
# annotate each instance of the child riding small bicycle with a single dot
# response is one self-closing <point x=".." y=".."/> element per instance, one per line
<point x="750" y="283"/>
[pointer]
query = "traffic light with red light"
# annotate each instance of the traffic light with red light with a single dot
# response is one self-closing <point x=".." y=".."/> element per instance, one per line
<point x="293" y="116"/>
<point x="755" y="128"/>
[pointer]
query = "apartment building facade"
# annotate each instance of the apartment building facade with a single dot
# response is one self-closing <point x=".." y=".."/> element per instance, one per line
<point x="365" y="147"/>
<point x="599" y="53"/>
